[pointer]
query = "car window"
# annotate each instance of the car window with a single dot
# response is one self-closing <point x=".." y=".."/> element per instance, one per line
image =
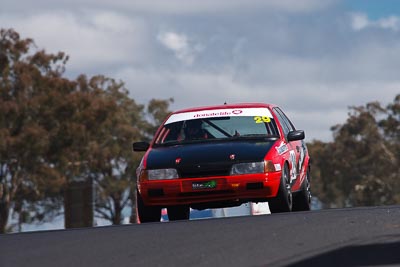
<point x="286" y="119"/>
<point x="217" y="128"/>
<point x="286" y="124"/>
<point x="285" y="127"/>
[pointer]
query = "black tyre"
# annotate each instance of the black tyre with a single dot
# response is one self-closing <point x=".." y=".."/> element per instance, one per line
<point x="146" y="213"/>
<point x="302" y="199"/>
<point x="178" y="213"/>
<point x="283" y="201"/>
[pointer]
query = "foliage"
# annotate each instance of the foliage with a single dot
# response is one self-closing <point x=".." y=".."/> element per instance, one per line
<point x="361" y="166"/>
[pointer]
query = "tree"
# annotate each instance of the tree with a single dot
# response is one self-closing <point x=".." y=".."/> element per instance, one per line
<point x="111" y="161"/>
<point x="360" y="166"/>
<point x="26" y="177"/>
<point x="54" y="131"/>
<point x="391" y="131"/>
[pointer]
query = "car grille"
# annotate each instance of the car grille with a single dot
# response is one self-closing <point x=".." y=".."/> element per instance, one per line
<point x="204" y="170"/>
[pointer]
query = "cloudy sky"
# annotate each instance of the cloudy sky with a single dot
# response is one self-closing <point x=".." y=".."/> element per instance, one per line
<point x="313" y="58"/>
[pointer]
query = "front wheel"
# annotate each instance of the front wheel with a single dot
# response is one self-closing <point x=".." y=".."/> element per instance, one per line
<point x="178" y="213"/>
<point x="283" y="201"/>
<point x="146" y="213"/>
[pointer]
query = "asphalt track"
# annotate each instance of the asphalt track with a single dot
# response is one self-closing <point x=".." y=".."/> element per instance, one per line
<point x="337" y="237"/>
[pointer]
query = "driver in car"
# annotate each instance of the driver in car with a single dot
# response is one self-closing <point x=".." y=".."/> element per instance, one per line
<point x="194" y="130"/>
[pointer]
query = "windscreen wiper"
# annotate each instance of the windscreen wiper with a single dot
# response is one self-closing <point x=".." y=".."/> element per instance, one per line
<point x="218" y="128"/>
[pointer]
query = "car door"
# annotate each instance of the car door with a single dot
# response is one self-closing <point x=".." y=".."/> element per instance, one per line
<point x="296" y="148"/>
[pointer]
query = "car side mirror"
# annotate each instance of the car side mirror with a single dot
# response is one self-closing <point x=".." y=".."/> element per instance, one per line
<point x="140" y="146"/>
<point x="295" y="135"/>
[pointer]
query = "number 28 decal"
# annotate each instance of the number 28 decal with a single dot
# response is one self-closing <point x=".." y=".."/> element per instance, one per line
<point x="261" y="119"/>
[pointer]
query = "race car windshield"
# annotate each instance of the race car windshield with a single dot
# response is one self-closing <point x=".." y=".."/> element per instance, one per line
<point x="219" y="128"/>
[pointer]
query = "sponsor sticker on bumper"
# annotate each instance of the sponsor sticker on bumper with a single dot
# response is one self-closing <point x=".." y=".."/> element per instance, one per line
<point x="204" y="185"/>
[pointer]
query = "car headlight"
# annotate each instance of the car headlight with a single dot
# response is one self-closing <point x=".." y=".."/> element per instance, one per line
<point x="253" y="167"/>
<point x="159" y="174"/>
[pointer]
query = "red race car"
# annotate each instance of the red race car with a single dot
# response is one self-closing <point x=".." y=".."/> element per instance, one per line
<point x="223" y="156"/>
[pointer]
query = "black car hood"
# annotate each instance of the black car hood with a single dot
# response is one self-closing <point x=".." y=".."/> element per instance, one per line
<point x="205" y="157"/>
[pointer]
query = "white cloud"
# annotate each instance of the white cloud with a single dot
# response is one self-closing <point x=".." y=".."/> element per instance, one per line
<point x="360" y="21"/>
<point x="180" y="45"/>
<point x="391" y="22"/>
<point x="174" y="41"/>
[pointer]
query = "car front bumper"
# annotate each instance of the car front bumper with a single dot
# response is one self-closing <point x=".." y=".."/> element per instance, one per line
<point x="192" y="191"/>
